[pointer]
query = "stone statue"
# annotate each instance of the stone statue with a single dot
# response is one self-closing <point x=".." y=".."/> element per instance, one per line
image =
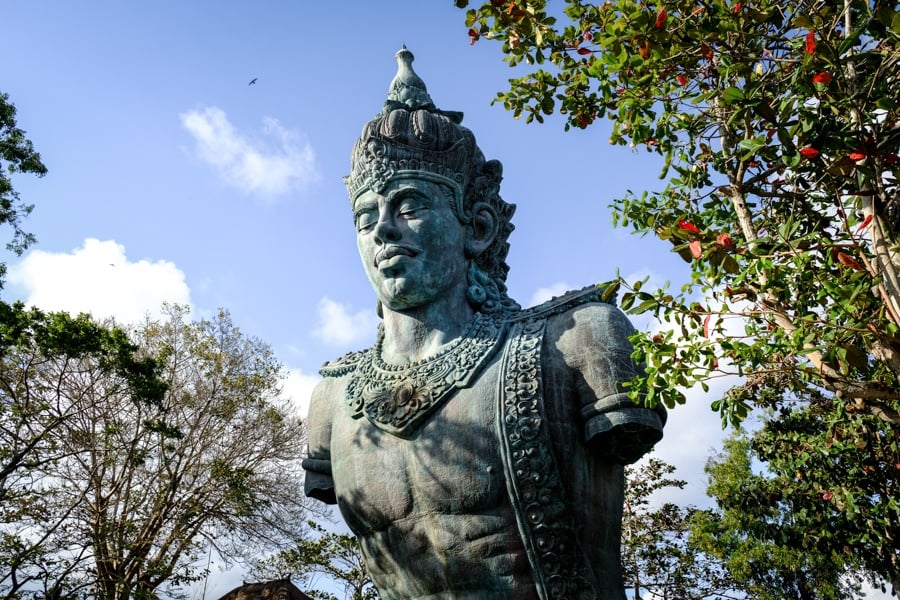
<point x="477" y="449"/>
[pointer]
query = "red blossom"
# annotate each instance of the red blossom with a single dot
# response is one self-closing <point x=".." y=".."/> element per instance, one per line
<point x="822" y="77"/>
<point x="661" y="18"/>
<point x="737" y="8"/>
<point x="587" y="36"/>
<point x="809" y="152"/>
<point x="864" y="224"/>
<point x="688" y="226"/>
<point x="723" y="239"/>
<point x="849" y="261"/>
<point x="854" y="156"/>
<point x="827" y="496"/>
<point x="811" y="42"/>
<point x="473" y="36"/>
<point x="696" y="249"/>
<point x="682" y="80"/>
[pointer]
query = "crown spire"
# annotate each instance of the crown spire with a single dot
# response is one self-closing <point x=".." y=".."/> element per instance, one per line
<point x="407" y="87"/>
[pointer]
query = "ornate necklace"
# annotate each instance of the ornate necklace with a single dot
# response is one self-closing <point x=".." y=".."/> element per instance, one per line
<point x="398" y="398"/>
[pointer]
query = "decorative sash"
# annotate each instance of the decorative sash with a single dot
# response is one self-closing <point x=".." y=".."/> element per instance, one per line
<point x="532" y="476"/>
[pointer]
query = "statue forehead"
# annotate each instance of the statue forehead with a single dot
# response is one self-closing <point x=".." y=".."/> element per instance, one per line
<point x="401" y="184"/>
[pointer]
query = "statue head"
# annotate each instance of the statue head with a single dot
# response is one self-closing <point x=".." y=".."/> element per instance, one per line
<point x="411" y="139"/>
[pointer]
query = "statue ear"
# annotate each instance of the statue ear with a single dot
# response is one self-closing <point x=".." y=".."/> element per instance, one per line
<point x="482" y="229"/>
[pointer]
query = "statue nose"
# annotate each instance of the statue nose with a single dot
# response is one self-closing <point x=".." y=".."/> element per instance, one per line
<point x="386" y="229"/>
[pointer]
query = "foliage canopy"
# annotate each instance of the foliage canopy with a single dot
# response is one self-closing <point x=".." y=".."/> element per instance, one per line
<point x="778" y="128"/>
<point x="115" y="486"/>
<point x="17" y="155"/>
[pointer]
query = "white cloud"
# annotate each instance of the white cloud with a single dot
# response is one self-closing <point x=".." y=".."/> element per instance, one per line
<point x="251" y="166"/>
<point x="297" y="387"/>
<point x="870" y="592"/>
<point x="693" y="431"/>
<point x="98" y="278"/>
<point x="337" y="327"/>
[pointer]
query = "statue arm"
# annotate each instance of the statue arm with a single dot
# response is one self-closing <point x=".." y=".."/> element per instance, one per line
<point x="595" y="345"/>
<point x="318" y="482"/>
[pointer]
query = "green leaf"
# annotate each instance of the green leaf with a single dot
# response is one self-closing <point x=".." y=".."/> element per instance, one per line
<point x="731" y="95"/>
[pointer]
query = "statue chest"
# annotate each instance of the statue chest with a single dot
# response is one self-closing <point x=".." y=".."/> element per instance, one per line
<point x="450" y="465"/>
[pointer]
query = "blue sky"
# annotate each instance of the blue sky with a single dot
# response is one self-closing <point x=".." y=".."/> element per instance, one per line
<point x="173" y="179"/>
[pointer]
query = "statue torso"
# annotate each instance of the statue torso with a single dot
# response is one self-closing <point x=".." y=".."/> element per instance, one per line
<point x="428" y="486"/>
<point x="432" y="512"/>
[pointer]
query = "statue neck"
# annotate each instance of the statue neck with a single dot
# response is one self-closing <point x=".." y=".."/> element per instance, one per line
<point x="416" y="334"/>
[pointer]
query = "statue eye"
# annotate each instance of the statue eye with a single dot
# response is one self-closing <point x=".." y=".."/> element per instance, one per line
<point x="409" y="208"/>
<point x="365" y="220"/>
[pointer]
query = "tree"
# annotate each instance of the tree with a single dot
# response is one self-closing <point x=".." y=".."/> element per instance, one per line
<point x="657" y="558"/>
<point x="335" y="555"/>
<point x="777" y="126"/>
<point x="17" y="155"/>
<point x="139" y="492"/>
<point x="41" y="355"/>
<point x="761" y="531"/>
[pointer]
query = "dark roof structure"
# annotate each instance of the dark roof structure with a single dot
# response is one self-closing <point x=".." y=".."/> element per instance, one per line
<point x="278" y="589"/>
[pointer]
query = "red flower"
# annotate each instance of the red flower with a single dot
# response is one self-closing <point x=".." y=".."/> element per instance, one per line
<point x="809" y="152"/>
<point x="587" y="36"/>
<point x="723" y="239"/>
<point x="827" y="496"/>
<point x="688" y="226"/>
<point x="473" y="36"/>
<point x="811" y="42"/>
<point x="737" y="8"/>
<point x="661" y="18"/>
<point x="849" y="261"/>
<point x="864" y="224"/>
<point x="696" y="249"/>
<point x="854" y="156"/>
<point x="822" y="77"/>
<point x="682" y="80"/>
<point x="584" y="51"/>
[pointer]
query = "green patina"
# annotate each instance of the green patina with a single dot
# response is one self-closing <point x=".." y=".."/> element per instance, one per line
<point x="477" y="449"/>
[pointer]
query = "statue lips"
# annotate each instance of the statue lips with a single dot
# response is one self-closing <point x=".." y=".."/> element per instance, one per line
<point x="383" y="259"/>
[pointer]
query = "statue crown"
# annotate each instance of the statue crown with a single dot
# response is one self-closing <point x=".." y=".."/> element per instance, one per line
<point x="410" y="137"/>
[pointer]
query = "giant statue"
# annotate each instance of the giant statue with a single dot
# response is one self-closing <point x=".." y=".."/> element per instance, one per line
<point x="477" y="449"/>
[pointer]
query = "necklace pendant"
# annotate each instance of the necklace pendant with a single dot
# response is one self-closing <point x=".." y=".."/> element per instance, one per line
<point x="398" y="399"/>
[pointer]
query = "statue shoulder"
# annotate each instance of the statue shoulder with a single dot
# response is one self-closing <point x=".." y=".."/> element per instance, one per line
<point x="585" y="298"/>
<point x="343" y="365"/>
<point x="584" y="319"/>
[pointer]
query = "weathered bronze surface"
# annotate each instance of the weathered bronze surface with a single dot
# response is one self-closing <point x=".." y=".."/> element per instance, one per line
<point x="477" y="449"/>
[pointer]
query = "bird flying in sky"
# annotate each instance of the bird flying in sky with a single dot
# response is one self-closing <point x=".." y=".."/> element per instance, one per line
<point x="252" y="81"/>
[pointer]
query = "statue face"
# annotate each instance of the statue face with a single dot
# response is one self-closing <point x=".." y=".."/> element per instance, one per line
<point x="411" y="243"/>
